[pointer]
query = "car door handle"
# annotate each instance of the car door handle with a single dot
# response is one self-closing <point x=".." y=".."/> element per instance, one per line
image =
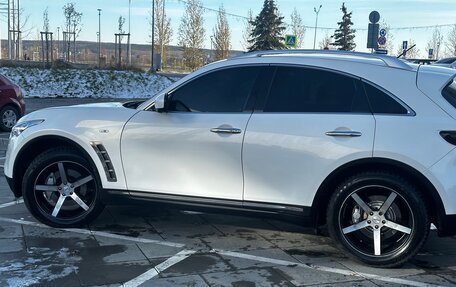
<point x="226" y="130"/>
<point x="344" y="134"/>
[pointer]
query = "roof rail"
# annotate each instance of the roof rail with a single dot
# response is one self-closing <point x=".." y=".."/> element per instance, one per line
<point x="388" y="60"/>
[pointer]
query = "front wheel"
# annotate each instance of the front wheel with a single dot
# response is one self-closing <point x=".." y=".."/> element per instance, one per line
<point x="62" y="189"/>
<point x="9" y="116"/>
<point x="378" y="218"/>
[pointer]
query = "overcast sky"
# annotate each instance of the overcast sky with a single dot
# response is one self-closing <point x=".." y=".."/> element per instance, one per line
<point x="398" y="14"/>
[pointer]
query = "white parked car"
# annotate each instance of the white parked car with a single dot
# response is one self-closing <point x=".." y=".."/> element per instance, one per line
<point x="361" y="143"/>
<point x="446" y="62"/>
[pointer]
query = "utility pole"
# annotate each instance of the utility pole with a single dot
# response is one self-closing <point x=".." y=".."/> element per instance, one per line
<point x="9" y="29"/>
<point x="153" y="36"/>
<point x="13" y="48"/>
<point x="162" y="36"/>
<point x="129" y="31"/>
<point x="99" y="38"/>
<point x="58" y="42"/>
<point x="316" y="23"/>
<point x="19" y="41"/>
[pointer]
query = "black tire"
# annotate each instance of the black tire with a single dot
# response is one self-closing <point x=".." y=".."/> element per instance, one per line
<point x="8" y="118"/>
<point x="55" y="203"/>
<point x="383" y="237"/>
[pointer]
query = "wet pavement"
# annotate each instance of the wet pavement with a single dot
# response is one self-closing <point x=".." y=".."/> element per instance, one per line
<point x="150" y="245"/>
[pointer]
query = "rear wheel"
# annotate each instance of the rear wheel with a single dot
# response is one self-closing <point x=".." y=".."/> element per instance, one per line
<point x="61" y="189"/>
<point x="378" y="218"/>
<point x="9" y="116"/>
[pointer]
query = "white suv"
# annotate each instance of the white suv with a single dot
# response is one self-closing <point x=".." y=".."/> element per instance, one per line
<point x="361" y="143"/>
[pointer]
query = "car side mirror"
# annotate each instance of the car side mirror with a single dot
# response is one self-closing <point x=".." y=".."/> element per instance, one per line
<point x="160" y="103"/>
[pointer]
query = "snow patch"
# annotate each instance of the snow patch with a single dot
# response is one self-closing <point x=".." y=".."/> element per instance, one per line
<point x="42" y="265"/>
<point x="86" y="83"/>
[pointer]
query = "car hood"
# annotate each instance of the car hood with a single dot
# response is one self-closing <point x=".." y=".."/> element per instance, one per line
<point x="67" y="115"/>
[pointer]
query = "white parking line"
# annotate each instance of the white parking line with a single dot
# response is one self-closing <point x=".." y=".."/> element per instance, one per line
<point x="159" y="268"/>
<point x="325" y="269"/>
<point x="98" y="233"/>
<point x="11" y="203"/>
<point x="186" y="253"/>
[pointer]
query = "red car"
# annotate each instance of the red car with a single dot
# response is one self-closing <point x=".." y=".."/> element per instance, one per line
<point x="12" y="105"/>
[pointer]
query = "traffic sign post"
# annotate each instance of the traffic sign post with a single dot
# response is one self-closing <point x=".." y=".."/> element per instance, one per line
<point x="291" y="41"/>
<point x="382" y="41"/>
<point x="373" y="30"/>
<point x="404" y="45"/>
<point x="431" y="53"/>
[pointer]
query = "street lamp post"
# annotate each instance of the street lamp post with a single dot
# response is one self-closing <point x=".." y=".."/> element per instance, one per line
<point x="316" y="23"/>
<point x="99" y="37"/>
<point x="129" y="32"/>
<point x="58" y="42"/>
<point x="153" y="37"/>
<point x="162" y="35"/>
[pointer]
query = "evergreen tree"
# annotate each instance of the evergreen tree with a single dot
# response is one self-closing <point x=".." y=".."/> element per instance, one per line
<point x="267" y="29"/>
<point x="345" y="35"/>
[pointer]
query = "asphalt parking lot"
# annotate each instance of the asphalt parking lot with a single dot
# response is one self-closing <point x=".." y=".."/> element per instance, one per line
<point x="149" y="245"/>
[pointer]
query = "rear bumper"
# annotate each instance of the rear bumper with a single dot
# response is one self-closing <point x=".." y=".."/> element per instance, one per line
<point x="13" y="188"/>
<point x="447" y="225"/>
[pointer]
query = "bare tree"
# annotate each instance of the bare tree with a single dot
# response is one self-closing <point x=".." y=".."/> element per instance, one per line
<point x="121" y="23"/>
<point x="46" y="20"/>
<point x="412" y="53"/>
<point x="72" y="26"/>
<point x="325" y="43"/>
<point x="297" y="27"/>
<point x="72" y="19"/>
<point x="121" y="30"/>
<point x="191" y="34"/>
<point x="162" y="29"/>
<point x="247" y="30"/>
<point x="222" y="36"/>
<point x="450" y="43"/>
<point x="435" y="43"/>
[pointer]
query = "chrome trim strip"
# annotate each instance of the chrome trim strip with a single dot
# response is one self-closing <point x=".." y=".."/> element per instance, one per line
<point x="226" y="130"/>
<point x="343" y="134"/>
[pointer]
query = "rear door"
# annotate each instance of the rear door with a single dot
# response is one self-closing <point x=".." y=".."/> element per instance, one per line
<point x="312" y="122"/>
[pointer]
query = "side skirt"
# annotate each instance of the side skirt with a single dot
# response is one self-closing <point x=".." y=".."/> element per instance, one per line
<point x="299" y="214"/>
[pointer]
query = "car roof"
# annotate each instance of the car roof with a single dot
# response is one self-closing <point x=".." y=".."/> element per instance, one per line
<point x="348" y="56"/>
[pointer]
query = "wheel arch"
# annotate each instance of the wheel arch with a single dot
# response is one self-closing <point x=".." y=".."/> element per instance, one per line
<point x="35" y="147"/>
<point x="328" y="186"/>
<point x="14" y="106"/>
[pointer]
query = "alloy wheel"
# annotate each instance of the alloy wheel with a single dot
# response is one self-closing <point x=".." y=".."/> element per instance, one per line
<point x="376" y="221"/>
<point x="9" y="118"/>
<point x="65" y="191"/>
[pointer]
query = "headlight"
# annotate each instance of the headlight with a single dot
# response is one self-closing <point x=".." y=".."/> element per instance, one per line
<point x="19" y="128"/>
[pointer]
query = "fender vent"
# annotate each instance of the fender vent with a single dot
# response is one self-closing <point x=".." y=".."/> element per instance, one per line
<point x="105" y="161"/>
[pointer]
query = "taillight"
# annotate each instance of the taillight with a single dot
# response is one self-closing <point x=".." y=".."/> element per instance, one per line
<point x="449" y="136"/>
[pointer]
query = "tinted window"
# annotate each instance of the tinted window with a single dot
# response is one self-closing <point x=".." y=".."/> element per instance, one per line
<point x="449" y="93"/>
<point x="221" y="91"/>
<point x="382" y="103"/>
<point x="297" y="89"/>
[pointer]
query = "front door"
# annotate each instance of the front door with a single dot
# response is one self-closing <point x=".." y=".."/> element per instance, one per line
<point x="194" y="148"/>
